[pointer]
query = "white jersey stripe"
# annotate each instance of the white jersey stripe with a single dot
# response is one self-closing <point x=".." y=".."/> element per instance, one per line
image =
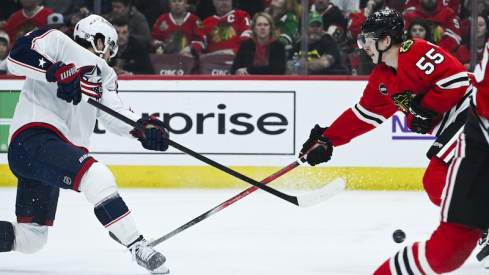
<point x="367" y="116"/>
<point x="454" y="81"/>
<point x="422" y="259"/>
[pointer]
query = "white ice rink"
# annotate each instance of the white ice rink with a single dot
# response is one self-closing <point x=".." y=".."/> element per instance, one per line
<point x="259" y="235"/>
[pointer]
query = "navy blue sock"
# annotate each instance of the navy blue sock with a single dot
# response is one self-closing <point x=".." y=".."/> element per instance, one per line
<point x="7" y="236"/>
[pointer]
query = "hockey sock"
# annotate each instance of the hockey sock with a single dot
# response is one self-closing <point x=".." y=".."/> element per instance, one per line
<point x="7" y="236"/>
<point x="116" y="217"/>
<point x="447" y="249"/>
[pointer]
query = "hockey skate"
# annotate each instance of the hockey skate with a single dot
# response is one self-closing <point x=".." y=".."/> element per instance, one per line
<point x="483" y="255"/>
<point x="147" y="257"/>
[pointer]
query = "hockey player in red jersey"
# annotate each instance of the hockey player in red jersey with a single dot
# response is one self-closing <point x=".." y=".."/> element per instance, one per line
<point x="227" y="28"/>
<point x="464" y="209"/>
<point x="422" y="80"/>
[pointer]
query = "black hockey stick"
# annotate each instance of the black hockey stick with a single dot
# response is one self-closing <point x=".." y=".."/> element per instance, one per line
<point x="334" y="188"/>
<point x="302" y="201"/>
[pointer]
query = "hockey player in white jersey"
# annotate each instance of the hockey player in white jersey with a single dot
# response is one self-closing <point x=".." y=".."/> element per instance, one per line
<point x="50" y="134"/>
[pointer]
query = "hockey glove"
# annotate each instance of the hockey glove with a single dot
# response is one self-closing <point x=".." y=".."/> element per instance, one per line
<point x="422" y="120"/>
<point x="156" y="136"/>
<point x="317" y="148"/>
<point x="68" y="81"/>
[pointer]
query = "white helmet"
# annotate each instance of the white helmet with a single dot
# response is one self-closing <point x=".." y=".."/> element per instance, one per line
<point x="89" y="26"/>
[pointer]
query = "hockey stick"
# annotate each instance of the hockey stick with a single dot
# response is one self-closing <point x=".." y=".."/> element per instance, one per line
<point x="302" y="201"/>
<point x="334" y="188"/>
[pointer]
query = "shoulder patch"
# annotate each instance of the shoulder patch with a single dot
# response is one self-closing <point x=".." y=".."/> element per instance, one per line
<point x="406" y="46"/>
<point x="383" y="89"/>
<point x="200" y="25"/>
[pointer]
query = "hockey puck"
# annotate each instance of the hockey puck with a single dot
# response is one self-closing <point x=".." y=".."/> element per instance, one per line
<point x="399" y="236"/>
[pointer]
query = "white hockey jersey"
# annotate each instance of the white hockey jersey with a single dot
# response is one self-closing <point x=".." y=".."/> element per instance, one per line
<point x="38" y="105"/>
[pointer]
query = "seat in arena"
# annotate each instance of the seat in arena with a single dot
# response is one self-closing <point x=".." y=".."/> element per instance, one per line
<point x="216" y="64"/>
<point x="173" y="64"/>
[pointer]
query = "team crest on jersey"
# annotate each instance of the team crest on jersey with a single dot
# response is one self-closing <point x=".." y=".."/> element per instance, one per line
<point x="222" y="32"/>
<point x="200" y="25"/>
<point x="406" y="46"/>
<point x="383" y="89"/>
<point x="163" y="26"/>
<point x="403" y="100"/>
<point x="91" y="81"/>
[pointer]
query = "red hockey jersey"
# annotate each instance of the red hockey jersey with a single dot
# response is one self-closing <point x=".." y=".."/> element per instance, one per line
<point x="423" y="68"/>
<point x="228" y="31"/>
<point x="444" y="26"/>
<point x="481" y="81"/>
<point x="189" y="32"/>
<point x="19" y="23"/>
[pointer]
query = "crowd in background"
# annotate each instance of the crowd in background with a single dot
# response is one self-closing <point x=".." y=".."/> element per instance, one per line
<point x="247" y="36"/>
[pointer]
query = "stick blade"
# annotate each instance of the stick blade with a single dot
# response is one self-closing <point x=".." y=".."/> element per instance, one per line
<point x="325" y="193"/>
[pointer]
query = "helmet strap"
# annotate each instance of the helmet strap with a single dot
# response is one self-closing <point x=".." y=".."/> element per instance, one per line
<point x="379" y="60"/>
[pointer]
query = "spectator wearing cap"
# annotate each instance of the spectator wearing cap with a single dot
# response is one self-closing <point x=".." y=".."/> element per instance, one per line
<point x="323" y="55"/>
<point x="4" y="49"/>
<point x="30" y="17"/>
<point x="56" y="21"/>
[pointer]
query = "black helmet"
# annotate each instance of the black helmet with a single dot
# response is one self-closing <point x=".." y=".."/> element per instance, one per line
<point x="385" y="22"/>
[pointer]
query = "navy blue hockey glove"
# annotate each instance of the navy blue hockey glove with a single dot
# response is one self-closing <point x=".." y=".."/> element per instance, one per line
<point x="156" y="136"/>
<point x="68" y="81"/>
<point x="422" y="120"/>
<point x="317" y="148"/>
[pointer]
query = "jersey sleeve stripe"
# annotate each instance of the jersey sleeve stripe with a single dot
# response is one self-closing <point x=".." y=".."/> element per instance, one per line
<point x="454" y="35"/>
<point x="25" y="65"/>
<point x="367" y="116"/>
<point x="455" y="81"/>
<point x="26" y="55"/>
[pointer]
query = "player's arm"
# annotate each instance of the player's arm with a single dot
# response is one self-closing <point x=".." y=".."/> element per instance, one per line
<point x="34" y="53"/>
<point x="480" y="78"/>
<point x="373" y="109"/>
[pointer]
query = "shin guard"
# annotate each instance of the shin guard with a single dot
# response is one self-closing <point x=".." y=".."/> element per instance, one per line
<point x="116" y="217"/>
<point x="7" y="236"/>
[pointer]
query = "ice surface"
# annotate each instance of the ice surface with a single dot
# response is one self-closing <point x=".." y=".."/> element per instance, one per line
<point x="260" y="235"/>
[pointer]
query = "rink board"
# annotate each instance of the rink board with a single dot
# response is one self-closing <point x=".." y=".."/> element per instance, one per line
<point x="254" y="126"/>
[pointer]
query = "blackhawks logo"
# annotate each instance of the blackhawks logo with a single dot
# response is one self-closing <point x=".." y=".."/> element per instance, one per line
<point x="406" y="46"/>
<point x="403" y="100"/>
<point x="222" y="32"/>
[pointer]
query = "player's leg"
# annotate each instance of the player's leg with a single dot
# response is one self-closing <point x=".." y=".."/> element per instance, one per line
<point x="99" y="186"/>
<point x="434" y="179"/>
<point x="35" y="209"/>
<point x="70" y="167"/>
<point x="447" y="249"/>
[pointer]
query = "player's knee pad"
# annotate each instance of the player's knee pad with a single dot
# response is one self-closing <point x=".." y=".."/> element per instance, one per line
<point x="30" y="237"/>
<point x="7" y="236"/>
<point x="98" y="184"/>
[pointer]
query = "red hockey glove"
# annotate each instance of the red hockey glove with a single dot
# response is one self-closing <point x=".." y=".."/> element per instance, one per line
<point x="422" y="120"/>
<point x="317" y="148"/>
<point x="68" y="81"/>
<point x="156" y="136"/>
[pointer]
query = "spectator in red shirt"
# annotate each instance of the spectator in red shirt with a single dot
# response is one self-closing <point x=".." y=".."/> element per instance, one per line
<point x="178" y="31"/>
<point x="227" y="28"/>
<point x="463" y="52"/>
<point x="444" y="23"/>
<point x="30" y="17"/>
